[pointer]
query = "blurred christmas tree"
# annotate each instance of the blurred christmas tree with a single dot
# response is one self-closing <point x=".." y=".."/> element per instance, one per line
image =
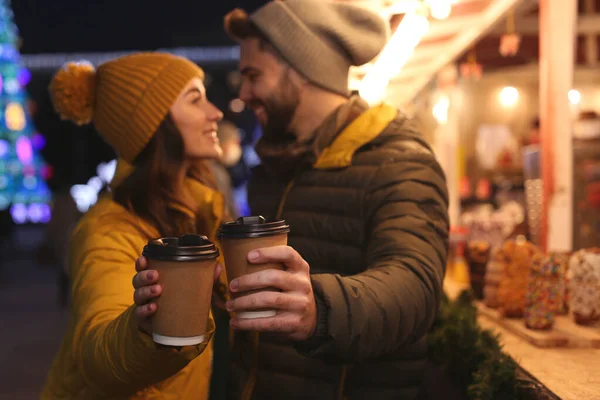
<point x="22" y="170"/>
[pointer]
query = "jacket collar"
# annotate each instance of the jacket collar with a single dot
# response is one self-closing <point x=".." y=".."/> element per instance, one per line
<point x="358" y="133"/>
<point x="284" y="160"/>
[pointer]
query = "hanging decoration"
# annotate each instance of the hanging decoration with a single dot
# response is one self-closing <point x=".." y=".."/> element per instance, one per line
<point x="471" y="69"/>
<point x="447" y="78"/>
<point x="510" y="41"/>
<point x="465" y="188"/>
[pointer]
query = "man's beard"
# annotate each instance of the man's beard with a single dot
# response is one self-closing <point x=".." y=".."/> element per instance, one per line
<point x="280" y="108"/>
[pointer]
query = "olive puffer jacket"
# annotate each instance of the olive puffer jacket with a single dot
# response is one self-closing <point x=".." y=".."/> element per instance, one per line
<point x="370" y="218"/>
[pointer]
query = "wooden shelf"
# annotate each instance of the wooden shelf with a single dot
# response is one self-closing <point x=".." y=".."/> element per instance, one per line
<point x="565" y="333"/>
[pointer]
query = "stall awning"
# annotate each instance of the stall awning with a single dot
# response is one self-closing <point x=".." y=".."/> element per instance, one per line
<point x="422" y="44"/>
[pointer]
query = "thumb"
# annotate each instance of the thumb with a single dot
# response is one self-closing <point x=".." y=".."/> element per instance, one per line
<point x="141" y="264"/>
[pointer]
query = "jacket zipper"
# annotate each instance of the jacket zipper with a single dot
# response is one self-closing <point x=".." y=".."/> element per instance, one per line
<point x="249" y="386"/>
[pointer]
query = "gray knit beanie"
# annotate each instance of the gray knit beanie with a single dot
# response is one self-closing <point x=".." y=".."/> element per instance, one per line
<point x="320" y="39"/>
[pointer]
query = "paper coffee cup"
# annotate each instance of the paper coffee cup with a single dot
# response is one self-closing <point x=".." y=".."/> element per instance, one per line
<point x="240" y="237"/>
<point x="185" y="267"/>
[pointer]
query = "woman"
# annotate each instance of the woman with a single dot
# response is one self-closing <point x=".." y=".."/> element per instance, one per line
<point x="152" y="109"/>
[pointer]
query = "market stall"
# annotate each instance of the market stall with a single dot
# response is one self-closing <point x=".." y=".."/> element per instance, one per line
<point x="512" y="93"/>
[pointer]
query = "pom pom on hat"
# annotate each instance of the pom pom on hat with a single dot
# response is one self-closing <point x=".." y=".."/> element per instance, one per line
<point x="72" y="91"/>
<point x="238" y="26"/>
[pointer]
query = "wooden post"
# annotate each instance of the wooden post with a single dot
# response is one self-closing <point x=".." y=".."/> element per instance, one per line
<point x="557" y="59"/>
<point x="447" y="151"/>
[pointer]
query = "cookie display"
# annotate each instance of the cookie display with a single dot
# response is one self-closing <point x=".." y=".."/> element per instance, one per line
<point x="564" y="309"/>
<point x="545" y="290"/>
<point x="584" y="286"/>
<point x="518" y="257"/>
<point x="493" y="275"/>
<point x="477" y="257"/>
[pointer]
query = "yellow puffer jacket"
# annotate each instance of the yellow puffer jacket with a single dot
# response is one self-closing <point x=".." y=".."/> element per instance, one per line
<point x="103" y="354"/>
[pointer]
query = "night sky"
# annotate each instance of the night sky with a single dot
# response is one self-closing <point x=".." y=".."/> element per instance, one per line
<point x="48" y="26"/>
<point x="64" y="26"/>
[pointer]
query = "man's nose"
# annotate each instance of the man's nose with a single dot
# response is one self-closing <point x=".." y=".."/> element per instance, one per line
<point x="245" y="92"/>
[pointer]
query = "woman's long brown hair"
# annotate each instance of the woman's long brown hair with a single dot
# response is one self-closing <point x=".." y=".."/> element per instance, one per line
<point x="153" y="190"/>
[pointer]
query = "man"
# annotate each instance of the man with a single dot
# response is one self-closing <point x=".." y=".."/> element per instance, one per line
<point x="367" y="205"/>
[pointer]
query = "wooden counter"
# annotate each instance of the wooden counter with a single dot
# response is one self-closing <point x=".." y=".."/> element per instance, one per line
<point x="572" y="374"/>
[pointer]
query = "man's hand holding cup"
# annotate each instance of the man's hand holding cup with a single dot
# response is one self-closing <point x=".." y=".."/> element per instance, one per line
<point x="294" y="303"/>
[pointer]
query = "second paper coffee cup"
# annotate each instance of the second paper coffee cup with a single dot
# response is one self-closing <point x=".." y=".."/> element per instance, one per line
<point x="240" y="237"/>
<point x="185" y="268"/>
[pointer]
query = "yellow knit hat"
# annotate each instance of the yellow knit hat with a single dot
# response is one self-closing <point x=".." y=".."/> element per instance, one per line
<point x="127" y="98"/>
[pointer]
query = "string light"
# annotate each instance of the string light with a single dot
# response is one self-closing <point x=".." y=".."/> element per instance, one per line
<point x="30" y="182"/>
<point x="18" y="213"/>
<point x="34" y="212"/>
<point x="440" y="9"/>
<point x="106" y="171"/>
<point x="574" y="97"/>
<point x="24" y="150"/>
<point x="394" y="56"/>
<point x="237" y="105"/>
<point x="440" y="110"/>
<point x="4" y="148"/>
<point x="201" y="55"/>
<point x="509" y="96"/>
<point x="86" y="195"/>
<point x="4" y="201"/>
<point x="15" y="117"/>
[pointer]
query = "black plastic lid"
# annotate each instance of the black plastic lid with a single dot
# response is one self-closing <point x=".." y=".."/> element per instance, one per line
<point x="183" y="248"/>
<point x="252" y="227"/>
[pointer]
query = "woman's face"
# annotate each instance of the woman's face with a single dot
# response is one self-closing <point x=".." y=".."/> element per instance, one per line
<point x="196" y="118"/>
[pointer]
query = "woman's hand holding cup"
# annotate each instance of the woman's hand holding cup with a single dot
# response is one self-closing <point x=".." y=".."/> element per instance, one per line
<point x="147" y="289"/>
<point x="146" y="286"/>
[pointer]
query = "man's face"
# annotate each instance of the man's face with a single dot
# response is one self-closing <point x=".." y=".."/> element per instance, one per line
<point x="267" y="88"/>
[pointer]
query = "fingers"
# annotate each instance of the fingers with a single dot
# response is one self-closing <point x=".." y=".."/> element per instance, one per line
<point x="145" y="311"/>
<point x="141" y="264"/>
<point x="283" y="254"/>
<point x="145" y="278"/>
<point x="145" y="294"/>
<point x="282" y="280"/>
<point x="270" y="300"/>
